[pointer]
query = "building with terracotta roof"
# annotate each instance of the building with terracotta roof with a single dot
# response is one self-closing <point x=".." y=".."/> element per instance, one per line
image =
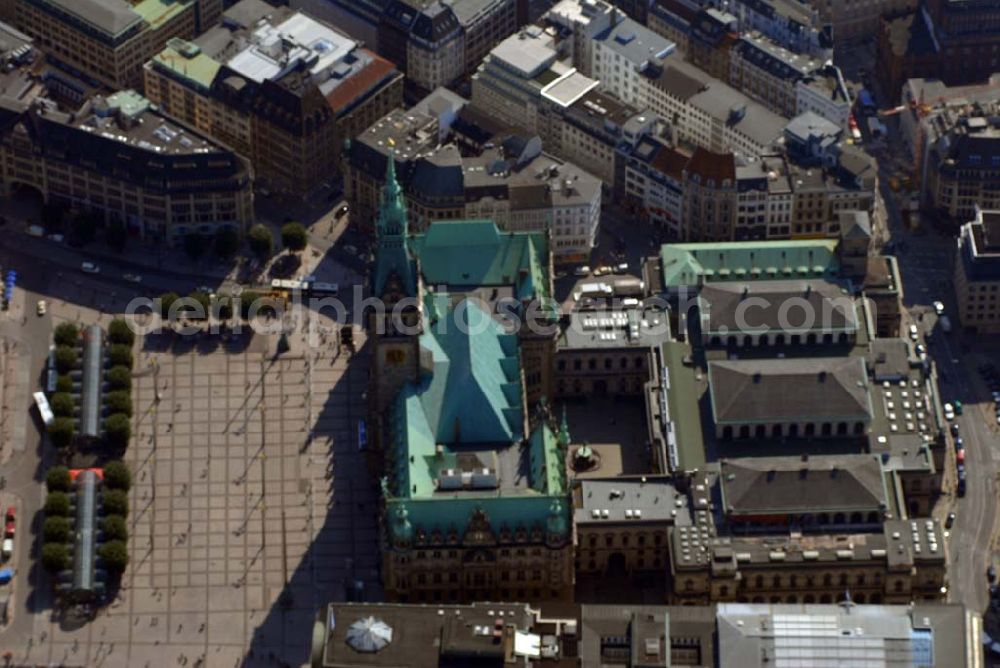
<point x="279" y="86"/>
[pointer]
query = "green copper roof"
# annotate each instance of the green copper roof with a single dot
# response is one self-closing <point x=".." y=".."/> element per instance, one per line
<point x="688" y="264"/>
<point x="187" y="63"/>
<point x="472" y="396"/>
<point x="477" y="253"/>
<point x="548" y="462"/>
<point x="157" y="13"/>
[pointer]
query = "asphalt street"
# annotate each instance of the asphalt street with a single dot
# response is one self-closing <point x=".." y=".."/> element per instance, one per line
<point x="24" y="472"/>
<point x="926" y="261"/>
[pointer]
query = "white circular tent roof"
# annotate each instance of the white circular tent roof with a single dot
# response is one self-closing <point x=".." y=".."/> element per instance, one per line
<point x="369" y="635"/>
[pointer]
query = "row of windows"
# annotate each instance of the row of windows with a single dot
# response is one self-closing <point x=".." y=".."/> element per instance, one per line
<point x="608" y="364"/>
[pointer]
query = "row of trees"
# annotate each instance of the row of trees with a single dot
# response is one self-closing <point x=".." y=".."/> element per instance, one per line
<point x="83" y="229"/>
<point x="62" y="430"/>
<point x="57" y="529"/>
<point x="221" y="306"/>
<point x="118" y="400"/>
<point x="294" y="237"/>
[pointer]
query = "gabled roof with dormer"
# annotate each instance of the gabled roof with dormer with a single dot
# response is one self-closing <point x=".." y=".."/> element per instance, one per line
<point x="476" y="253"/>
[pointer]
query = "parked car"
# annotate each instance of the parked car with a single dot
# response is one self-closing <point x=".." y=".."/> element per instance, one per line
<point x="954" y="430"/>
<point x="961" y="487"/>
<point x="90" y="268"/>
<point x="58" y="238"/>
<point x="958" y="407"/>
<point x="11" y="514"/>
<point x="350" y="250"/>
<point x="132" y="278"/>
<point x="582" y="270"/>
<point x="939" y="308"/>
<point x="8" y="548"/>
<point x="960" y="456"/>
<point x="6" y="575"/>
<point x="949" y="412"/>
<point x="343" y="209"/>
<point x="991" y="573"/>
<point x="949" y="521"/>
<point x="602" y="271"/>
<point x="914" y="333"/>
<point x="41" y="307"/>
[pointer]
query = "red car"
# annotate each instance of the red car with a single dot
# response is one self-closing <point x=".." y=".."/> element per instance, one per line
<point x="9" y="530"/>
<point x="11" y="513"/>
<point x="960" y="455"/>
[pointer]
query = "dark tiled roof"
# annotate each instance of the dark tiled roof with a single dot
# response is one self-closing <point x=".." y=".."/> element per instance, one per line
<point x="717" y="166"/>
<point x="680" y="84"/>
<point x="790" y="390"/>
<point x="834" y="309"/>
<point x="764" y="485"/>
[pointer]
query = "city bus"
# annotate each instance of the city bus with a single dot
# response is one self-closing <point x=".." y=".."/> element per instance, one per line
<point x="320" y="288"/>
<point x="43" y="408"/>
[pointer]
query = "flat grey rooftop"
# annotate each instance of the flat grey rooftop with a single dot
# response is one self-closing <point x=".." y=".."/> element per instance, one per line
<point x="569" y="89"/>
<point x="526" y="55"/>
<point x="645" y="499"/>
<point x="109" y="16"/>
<point x="628" y="328"/>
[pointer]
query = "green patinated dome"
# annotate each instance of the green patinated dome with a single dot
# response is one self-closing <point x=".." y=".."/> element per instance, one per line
<point x="557" y="523"/>
<point x="401" y="527"/>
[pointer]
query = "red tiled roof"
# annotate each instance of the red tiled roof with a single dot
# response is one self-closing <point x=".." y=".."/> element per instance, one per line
<point x="716" y="166"/>
<point x="671" y="161"/>
<point x="360" y="82"/>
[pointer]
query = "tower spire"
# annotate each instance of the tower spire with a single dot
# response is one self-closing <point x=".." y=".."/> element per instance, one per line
<point x="392" y="253"/>
<point x="564" y="429"/>
<point x="392" y="189"/>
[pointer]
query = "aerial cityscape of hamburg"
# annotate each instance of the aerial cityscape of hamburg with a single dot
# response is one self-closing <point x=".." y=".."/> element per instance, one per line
<point x="499" y="333"/>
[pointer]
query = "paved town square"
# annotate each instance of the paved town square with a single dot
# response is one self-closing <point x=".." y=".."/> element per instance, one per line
<point x="248" y="512"/>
